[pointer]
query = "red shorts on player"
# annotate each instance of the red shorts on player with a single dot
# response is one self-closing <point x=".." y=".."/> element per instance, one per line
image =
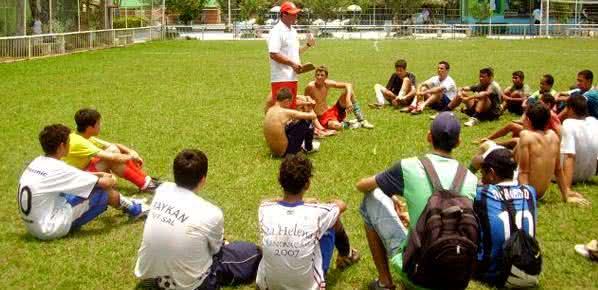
<point x="277" y="86"/>
<point x="334" y="113"/>
<point x="91" y="167"/>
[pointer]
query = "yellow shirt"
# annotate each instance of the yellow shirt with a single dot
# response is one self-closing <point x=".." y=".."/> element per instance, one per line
<point x="81" y="150"/>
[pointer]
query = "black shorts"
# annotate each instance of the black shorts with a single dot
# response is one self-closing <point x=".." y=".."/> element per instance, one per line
<point x="482" y="116"/>
<point x="235" y="264"/>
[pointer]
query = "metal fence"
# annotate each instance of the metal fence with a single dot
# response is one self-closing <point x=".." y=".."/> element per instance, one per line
<point x="439" y="31"/>
<point x="24" y="47"/>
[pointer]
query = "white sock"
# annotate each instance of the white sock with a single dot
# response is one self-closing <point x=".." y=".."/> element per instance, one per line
<point x="401" y="95"/>
<point x="379" y="94"/>
<point x="148" y="179"/>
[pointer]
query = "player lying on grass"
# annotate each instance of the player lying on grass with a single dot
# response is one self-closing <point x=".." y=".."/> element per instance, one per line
<point x="183" y="245"/>
<point x="484" y="104"/>
<point x="514" y="96"/>
<point x="333" y="117"/>
<point x="55" y="198"/>
<point x="438" y="92"/>
<point x="87" y="152"/>
<point x="298" y="236"/>
<point x="516" y="127"/>
<point x="289" y="131"/>
<point x="399" y="90"/>
<point x="539" y="157"/>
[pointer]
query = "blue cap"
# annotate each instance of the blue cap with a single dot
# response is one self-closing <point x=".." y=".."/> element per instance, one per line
<point x="446" y="129"/>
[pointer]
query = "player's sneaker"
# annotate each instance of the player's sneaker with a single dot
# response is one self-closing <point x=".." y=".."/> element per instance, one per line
<point x="432" y="117"/>
<point x="366" y="124"/>
<point x="471" y="122"/>
<point x="139" y="209"/>
<point x="152" y="186"/>
<point x="343" y="262"/>
<point x="315" y="146"/>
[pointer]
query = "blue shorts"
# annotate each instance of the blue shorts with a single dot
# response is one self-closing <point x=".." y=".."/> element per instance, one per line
<point x="327" y="248"/>
<point x="86" y="209"/>
<point x="442" y="104"/>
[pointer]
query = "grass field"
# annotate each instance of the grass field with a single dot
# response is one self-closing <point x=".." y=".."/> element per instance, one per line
<point x="162" y="97"/>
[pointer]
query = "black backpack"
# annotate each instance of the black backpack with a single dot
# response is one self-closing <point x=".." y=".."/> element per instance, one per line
<point x="441" y="250"/>
<point x="522" y="260"/>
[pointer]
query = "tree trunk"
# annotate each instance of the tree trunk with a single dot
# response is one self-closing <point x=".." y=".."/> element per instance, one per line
<point x="21" y="25"/>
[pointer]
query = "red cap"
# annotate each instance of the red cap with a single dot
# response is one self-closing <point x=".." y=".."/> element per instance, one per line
<point x="289" y="8"/>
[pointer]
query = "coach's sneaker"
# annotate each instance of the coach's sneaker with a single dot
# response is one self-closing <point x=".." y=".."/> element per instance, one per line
<point x="366" y="124"/>
<point x="138" y="208"/>
<point x="471" y="122"/>
<point x="343" y="262"/>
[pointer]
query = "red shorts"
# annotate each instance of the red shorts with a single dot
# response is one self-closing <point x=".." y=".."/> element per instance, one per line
<point x="277" y="86"/>
<point x="91" y="167"/>
<point x="334" y="113"/>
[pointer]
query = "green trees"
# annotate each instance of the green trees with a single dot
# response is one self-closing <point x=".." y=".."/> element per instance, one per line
<point x="187" y="9"/>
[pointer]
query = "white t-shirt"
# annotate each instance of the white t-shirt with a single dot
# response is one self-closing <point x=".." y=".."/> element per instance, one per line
<point x="283" y="40"/>
<point x="291" y="236"/>
<point x="448" y="84"/>
<point x="580" y="137"/>
<point x="181" y="234"/>
<point x="45" y="211"/>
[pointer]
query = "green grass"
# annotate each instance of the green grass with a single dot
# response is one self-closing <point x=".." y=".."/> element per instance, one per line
<point x="162" y="97"/>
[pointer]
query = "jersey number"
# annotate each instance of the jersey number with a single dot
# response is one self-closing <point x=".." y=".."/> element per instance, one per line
<point x="504" y="217"/>
<point x="25" y="205"/>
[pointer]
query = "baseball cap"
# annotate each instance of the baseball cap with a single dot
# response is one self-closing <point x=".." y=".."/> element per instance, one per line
<point x="446" y="129"/>
<point x="289" y="8"/>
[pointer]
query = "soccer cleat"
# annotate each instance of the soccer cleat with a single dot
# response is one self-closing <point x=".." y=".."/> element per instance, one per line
<point x="152" y="186"/>
<point x="139" y="209"/>
<point x="471" y="122"/>
<point x="315" y="146"/>
<point x="366" y="124"/>
<point x="343" y="262"/>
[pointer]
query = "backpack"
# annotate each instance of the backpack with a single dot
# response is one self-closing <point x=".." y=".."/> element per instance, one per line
<point x="441" y="250"/>
<point x="522" y="260"/>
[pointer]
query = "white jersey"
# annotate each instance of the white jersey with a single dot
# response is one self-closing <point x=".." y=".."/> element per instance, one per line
<point x="448" y="85"/>
<point x="181" y="234"/>
<point x="290" y="236"/>
<point x="580" y="138"/>
<point x="45" y="211"/>
<point x="283" y="40"/>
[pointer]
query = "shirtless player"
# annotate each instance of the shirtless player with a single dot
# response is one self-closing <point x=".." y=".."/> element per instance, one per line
<point x="287" y="129"/>
<point x="332" y="118"/>
<point x="538" y="156"/>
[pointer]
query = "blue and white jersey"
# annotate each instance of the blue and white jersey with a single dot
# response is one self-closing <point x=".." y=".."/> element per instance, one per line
<point x="495" y="227"/>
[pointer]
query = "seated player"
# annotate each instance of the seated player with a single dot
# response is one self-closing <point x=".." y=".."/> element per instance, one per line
<point x="333" y="117"/>
<point x="385" y="232"/>
<point x="516" y="127"/>
<point x="483" y="106"/>
<point x="288" y="131"/>
<point x="538" y="156"/>
<point x="183" y="245"/>
<point x="438" y="92"/>
<point x="579" y="142"/>
<point x="87" y="152"/>
<point x="298" y="237"/>
<point x="306" y="104"/>
<point x="546" y="84"/>
<point x="498" y="189"/>
<point x="400" y="88"/>
<point x="583" y="88"/>
<point x="514" y="96"/>
<point x="55" y="198"/>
